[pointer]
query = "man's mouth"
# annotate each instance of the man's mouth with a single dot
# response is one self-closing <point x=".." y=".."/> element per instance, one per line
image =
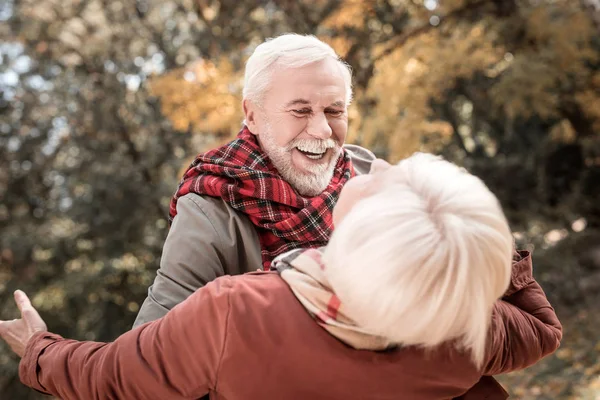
<point x="312" y="156"/>
<point x="312" y="151"/>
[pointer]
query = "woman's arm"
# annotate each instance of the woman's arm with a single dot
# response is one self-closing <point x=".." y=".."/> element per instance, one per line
<point x="175" y="357"/>
<point x="524" y="326"/>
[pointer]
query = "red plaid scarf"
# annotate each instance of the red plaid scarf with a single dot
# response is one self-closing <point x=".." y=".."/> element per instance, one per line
<point x="242" y="175"/>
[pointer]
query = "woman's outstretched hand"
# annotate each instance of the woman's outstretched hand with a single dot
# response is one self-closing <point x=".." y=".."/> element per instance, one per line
<point x="18" y="332"/>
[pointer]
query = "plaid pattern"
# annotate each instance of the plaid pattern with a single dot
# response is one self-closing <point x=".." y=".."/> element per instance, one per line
<point x="303" y="271"/>
<point x="242" y="175"/>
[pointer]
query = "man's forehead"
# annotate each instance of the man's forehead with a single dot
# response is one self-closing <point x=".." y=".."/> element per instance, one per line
<point x="306" y="101"/>
<point x="318" y="84"/>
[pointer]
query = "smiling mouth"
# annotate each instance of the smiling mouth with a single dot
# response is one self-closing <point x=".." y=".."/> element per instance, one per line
<point x="313" y="150"/>
<point x="311" y="155"/>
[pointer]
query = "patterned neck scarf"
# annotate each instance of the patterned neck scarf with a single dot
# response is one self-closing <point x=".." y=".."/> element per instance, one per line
<point x="304" y="272"/>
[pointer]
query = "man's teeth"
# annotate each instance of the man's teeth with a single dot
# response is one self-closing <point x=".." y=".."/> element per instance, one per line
<point x="312" y="148"/>
<point x="314" y="156"/>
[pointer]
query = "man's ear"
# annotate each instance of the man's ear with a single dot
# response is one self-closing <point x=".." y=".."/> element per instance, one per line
<point x="250" y="114"/>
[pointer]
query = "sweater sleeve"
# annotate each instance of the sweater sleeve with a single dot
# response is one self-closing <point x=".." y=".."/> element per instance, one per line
<point x="175" y="357"/>
<point x="524" y="326"/>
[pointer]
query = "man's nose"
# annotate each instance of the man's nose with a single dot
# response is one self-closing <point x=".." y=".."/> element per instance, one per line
<point x="318" y="127"/>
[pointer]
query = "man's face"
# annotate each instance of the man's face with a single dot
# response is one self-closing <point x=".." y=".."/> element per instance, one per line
<point x="302" y="123"/>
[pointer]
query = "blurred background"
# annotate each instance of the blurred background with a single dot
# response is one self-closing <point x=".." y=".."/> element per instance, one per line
<point x="103" y="103"/>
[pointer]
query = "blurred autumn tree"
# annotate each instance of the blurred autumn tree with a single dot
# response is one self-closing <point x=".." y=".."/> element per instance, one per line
<point x="102" y="103"/>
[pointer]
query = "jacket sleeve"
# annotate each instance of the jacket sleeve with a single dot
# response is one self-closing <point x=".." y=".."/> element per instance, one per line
<point x="191" y="258"/>
<point x="175" y="357"/>
<point x="524" y="326"/>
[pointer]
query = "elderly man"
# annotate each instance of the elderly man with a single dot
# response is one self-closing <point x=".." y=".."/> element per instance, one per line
<point x="272" y="189"/>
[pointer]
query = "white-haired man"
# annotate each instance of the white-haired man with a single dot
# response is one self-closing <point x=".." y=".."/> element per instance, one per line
<point x="273" y="188"/>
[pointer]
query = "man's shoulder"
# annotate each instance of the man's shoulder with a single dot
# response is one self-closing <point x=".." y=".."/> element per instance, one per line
<point x="234" y="234"/>
<point x="361" y="158"/>
<point x="214" y="208"/>
<point x="206" y="202"/>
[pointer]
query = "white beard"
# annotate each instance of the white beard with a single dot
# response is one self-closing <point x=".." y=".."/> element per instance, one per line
<point x="307" y="184"/>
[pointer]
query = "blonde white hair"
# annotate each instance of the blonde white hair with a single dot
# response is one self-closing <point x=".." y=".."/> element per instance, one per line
<point x="288" y="51"/>
<point x="422" y="261"/>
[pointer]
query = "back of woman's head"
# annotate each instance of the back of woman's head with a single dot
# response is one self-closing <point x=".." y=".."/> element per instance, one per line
<point x="423" y="260"/>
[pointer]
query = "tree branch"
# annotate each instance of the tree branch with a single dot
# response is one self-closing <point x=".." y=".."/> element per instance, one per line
<point x="458" y="13"/>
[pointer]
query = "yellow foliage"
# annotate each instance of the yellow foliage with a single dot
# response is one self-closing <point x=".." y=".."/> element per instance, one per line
<point x="563" y="50"/>
<point x="566" y="34"/>
<point x="395" y="109"/>
<point x="204" y="96"/>
<point x="589" y="100"/>
<point x="408" y="79"/>
<point x="340" y="44"/>
<point x="351" y="14"/>
<point x="527" y="88"/>
<point x="563" y="132"/>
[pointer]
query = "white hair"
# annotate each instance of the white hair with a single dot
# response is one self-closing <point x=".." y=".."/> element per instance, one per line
<point x="288" y="51"/>
<point x="422" y="261"/>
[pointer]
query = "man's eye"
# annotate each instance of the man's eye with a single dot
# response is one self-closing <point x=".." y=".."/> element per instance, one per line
<point x="303" y="111"/>
<point x="335" y="113"/>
